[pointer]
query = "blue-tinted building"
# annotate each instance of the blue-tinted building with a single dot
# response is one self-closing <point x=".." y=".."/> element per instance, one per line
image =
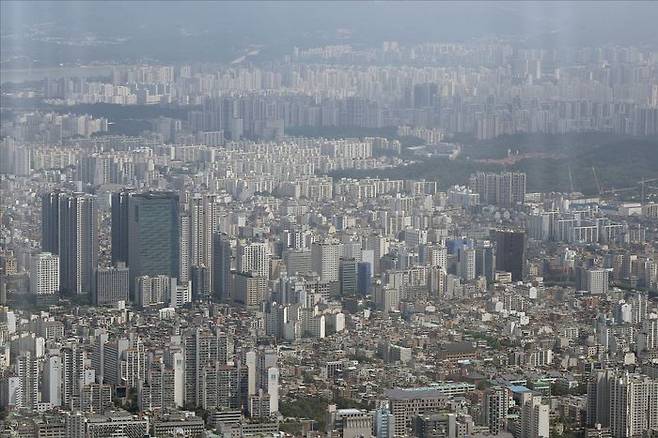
<point x="364" y="278"/>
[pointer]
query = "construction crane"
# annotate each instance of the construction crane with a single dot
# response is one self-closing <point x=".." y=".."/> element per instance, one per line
<point x="642" y="182"/>
<point x="570" y="178"/>
<point x="596" y="180"/>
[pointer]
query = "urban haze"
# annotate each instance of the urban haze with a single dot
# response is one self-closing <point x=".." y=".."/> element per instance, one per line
<point x="328" y="219"/>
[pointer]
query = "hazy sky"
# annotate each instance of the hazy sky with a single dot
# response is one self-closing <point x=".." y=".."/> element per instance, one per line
<point x="205" y="30"/>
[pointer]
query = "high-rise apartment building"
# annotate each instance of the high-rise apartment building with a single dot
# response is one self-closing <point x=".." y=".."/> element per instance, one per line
<point x="202" y="348"/>
<point x="44" y="274"/>
<point x="254" y="258"/>
<point x="535" y="418"/>
<point x="505" y="189"/>
<point x="201" y="217"/>
<point x="112" y="285"/>
<point x="496" y="405"/>
<point x="69" y="226"/>
<point x="633" y="405"/>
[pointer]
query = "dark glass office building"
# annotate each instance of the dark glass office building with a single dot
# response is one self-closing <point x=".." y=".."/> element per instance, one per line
<point x="153" y="234"/>
<point x="120" y="226"/>
<point x="510" y="252"/>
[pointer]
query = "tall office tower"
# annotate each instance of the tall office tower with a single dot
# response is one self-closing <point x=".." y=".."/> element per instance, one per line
<point x="510" y="252"/>
<point x="153" y="235"/>
<point x="485" y="261"/>
<point x="598" y="398"/>
<point x="27" y="371"/>
<point x="50" y="222"/>
<point x="534" y="418"/>
<point x="222" y="259"/>
<point x="466" y="265"/>
<point x="70" y="230"/>
<point x="51" y="383"/>
<point x="379" y="246"/>
<point x="44" y="274"/>
<point x="348" y="276"/>
<point x="633" y="405"/>
<point x="496" y="405"/>
<point x="254" y="258"/>
<point x="109" y="354"/>
<point x="326" y="259"/>
<point x="201" y="213"/>
<point x="112" y="285"/>
<point x="364" y="278"/>
<point x="119" y="204"/>
<point x="298" y="261"/>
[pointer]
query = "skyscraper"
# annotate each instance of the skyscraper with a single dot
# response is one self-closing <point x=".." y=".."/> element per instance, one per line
<point x="510" y="252"/>
<point x="153" y="235"/>
<point x="201" y="213"/>
<point x="119" y="206"/>
<point x="70" y="230"/>
<point x="222" y="254"/>
<point x="50" y="222"/>
<point x="348" y="276"/>
<point x="485" y="261"/>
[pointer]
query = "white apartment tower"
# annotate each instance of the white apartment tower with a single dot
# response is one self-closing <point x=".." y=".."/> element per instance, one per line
<point x="254" y="258"/>
<point x="44" y="274"/>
